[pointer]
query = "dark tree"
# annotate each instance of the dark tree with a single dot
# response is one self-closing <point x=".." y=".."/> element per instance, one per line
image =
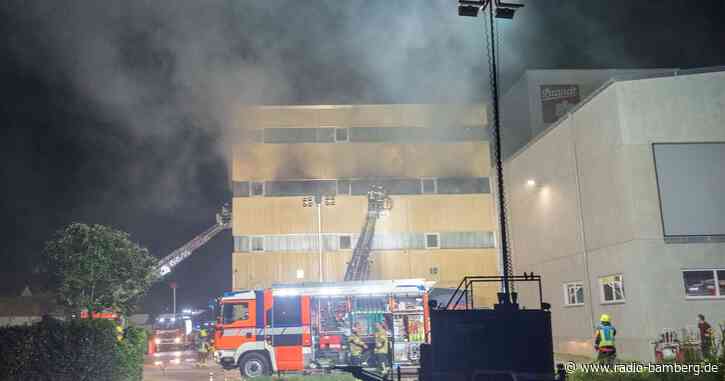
<point x="95" y="267"/>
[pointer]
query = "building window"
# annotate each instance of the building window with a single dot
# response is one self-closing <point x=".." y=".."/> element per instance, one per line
<point x="345" y="242"/>
<point x="574" y="294"/>
<point x="433" y="271"/>
<point x="612" y="288"/>
<point x="428" y="186"/>
<point x="704" y="283"/>
<point x="258" y="243"/>
<point x="342" y="135"/>
<point x="432" y="240"/>
<point x="257" y="188"/>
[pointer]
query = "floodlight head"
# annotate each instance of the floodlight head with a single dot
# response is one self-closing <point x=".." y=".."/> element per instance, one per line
<point x="468" y="10"/>
<point x="505" y="13"/>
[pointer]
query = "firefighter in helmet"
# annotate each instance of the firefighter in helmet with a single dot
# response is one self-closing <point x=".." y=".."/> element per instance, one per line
<point x="604" y="340"/>
<point x="381" y="347"/>
<point x="357" y="346"/>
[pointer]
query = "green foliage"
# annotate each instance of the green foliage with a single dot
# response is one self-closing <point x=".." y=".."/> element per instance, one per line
<point x="71" y="351"/>
<point x="132" y="350"/>
<point x="95" y="267"/>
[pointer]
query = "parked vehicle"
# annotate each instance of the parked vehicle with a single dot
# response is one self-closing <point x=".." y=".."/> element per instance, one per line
<point x="301" y="327"/>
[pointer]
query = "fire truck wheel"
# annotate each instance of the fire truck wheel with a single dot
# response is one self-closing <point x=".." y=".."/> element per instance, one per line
<point x="254" y="365"/>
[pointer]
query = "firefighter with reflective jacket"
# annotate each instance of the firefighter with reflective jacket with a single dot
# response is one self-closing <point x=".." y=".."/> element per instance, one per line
<point x="381" y="347"/>
<point x="119" y="328"/>
<point x="357" y="347"/>
<point x="604" y="340"/>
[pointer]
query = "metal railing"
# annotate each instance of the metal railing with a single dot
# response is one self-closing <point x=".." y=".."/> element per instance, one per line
<point x="464" y="291"/>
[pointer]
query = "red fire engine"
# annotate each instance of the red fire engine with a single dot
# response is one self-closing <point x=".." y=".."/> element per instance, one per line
<point x="306" y="326"/>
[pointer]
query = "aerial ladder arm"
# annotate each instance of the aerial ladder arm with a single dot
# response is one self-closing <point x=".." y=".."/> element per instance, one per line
<point x="359" y="266"/>
<point x="167" y="264"/>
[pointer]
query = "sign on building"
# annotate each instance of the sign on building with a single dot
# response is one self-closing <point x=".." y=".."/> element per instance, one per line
<point x="556" y="100"/>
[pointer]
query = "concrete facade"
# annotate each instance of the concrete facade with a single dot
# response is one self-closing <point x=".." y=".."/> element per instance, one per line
<point x="433" y="159"/>
<point x="584" y="205"/>
<point x="531" y="104"/>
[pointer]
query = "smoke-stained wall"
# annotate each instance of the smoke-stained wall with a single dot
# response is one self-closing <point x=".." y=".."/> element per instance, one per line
<point x="433" y="159"/>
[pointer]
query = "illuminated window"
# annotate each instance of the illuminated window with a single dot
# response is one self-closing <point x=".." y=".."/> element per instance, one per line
<point x="612" y="288"/>
<point x="704" y="283"/>
<point x="573" y="294"/>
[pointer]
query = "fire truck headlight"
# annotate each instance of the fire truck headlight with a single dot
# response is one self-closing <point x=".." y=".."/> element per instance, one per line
<point x="157" y="341"/>
<point x="177" y="340"/>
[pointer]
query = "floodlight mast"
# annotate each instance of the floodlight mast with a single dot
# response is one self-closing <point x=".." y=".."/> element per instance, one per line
<point x="471" y="8"/>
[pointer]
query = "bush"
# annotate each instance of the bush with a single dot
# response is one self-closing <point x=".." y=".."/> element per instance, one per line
<point x="72" y="351"/>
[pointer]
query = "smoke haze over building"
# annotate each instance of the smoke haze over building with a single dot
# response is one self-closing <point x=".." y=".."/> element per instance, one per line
<point x="119" y="111"/>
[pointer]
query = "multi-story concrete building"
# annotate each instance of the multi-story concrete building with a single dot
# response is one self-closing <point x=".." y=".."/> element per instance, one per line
<point x="620" y="207"/>
<point x="433" y="160"/>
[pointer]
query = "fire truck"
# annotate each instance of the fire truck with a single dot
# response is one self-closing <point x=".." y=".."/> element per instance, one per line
<point x="293" y="328"/>
<point x="172" y="332"/>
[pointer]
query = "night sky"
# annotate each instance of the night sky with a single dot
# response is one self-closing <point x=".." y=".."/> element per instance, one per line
<point x="117" y="112"/>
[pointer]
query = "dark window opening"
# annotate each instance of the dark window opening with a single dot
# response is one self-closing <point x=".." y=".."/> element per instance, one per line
<point x="428" y="186"/>
<point x="257" y="188"/>
<point x="344" y="187"/>
<point x="432" y="241"/>
<point x="345" y="242"/>
<point x="342" y="135"/>
<point x="286" y="311"/>
<point x="257" y="243"/>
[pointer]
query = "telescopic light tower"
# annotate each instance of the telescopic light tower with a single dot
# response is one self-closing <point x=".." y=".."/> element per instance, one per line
<point x="496" y="10"/>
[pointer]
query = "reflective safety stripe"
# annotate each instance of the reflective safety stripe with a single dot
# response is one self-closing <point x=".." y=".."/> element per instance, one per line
<point x="606" y="336"/>
<point x="266" y="331"/>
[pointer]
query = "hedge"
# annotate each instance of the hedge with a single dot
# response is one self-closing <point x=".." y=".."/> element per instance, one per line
<point x="76" y="350"/>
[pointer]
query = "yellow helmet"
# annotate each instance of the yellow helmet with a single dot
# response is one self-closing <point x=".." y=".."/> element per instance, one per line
<point x="604" y="318"/>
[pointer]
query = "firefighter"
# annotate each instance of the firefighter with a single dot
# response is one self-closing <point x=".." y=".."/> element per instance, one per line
<point x="357" y="347"/>
<point x="202" y="350"/>
<point x="119" y="328"/>
<point x="381" y="347"/>
<point x="705" y="335"/>
<point x="604" y="340"/>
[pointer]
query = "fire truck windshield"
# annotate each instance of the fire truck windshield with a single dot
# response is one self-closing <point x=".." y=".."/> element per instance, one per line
<point x="168" y="324"/>
<point x="235" y="312"/>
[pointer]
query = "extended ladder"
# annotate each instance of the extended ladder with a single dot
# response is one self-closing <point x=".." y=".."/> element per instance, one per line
<point x="166" y="264"/>
<point x="359" y="266"/>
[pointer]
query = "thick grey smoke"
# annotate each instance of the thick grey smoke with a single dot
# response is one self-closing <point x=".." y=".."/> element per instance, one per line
<point x="159" y="66"/>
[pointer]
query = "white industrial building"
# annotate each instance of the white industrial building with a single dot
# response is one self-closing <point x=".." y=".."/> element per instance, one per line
<point x="620" y="206"/>
<point x="540" y="97"/>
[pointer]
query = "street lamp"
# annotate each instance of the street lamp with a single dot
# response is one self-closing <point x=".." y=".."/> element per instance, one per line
<point x="318" y="200"/>
<point x="499" y="10"/>
<point x="470" y="8"/>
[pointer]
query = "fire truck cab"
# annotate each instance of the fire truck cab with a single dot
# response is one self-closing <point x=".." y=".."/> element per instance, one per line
<point x="291" y="328"/>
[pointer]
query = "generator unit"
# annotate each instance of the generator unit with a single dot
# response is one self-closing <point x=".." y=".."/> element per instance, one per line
<point x="504" y="343"/>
